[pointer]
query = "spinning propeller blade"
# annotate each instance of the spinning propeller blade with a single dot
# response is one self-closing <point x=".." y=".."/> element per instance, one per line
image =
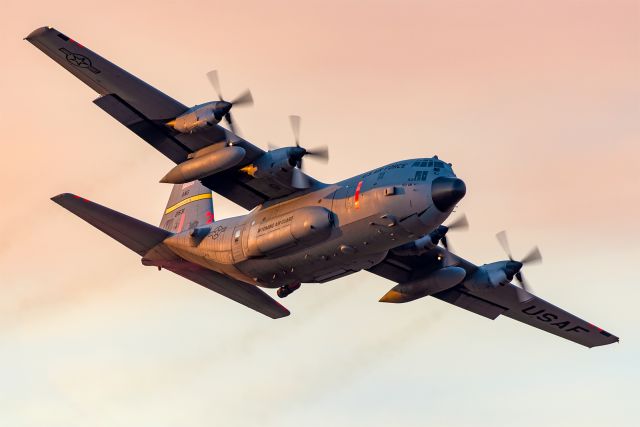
<point x="532" y="257"/>
<point x="298" y="178"/>
<point x="215" y="82"/>
<point x="295" y="127"/>
<point x="459" y="224"/>
<point x="504" y="242"/>
<point x="244" y="98"/>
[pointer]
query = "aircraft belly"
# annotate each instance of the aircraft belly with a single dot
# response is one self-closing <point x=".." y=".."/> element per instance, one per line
<point x="351" y="248"/>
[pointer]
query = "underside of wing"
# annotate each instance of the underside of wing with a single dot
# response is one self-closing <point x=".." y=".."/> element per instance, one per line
<point x="248" y="295"/>
<point x="146" y="111"/>
<point x="492" y="302"/>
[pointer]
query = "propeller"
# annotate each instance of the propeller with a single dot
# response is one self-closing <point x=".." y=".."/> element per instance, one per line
<point x="460" y="224"/>
<point x="298" y="178"/>
<point x="244" y="99"/>
<point x="532" y="257"/>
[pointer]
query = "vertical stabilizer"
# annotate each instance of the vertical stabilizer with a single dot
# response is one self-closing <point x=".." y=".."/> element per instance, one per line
<point x="190" y="205"/>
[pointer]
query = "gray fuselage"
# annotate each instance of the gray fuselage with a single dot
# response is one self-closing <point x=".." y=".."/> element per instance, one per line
<point x="330" y="231"/>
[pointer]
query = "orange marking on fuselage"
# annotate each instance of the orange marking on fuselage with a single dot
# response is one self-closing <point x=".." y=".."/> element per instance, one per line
<point x="356" y="197"/>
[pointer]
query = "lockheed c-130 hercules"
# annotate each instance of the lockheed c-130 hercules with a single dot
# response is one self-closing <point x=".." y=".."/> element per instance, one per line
<point x="387" y="221"/>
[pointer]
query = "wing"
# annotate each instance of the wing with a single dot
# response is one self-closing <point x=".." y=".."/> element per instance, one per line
<point x="146" y="240"/>
<point x="492" y="303"/>
<point x="145" y="111"/>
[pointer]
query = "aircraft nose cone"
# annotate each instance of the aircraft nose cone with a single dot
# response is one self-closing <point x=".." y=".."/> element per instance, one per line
<point x="446" y="192"/>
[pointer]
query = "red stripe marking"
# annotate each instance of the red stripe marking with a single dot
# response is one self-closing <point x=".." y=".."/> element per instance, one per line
<point x="356" y="197"/>
<point x="181" y="222"/>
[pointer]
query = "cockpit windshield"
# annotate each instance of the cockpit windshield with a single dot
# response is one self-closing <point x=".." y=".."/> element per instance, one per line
<point x="430" y="164"/>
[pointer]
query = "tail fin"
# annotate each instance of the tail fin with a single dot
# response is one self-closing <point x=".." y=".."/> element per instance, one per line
<point x="190" y="205"/>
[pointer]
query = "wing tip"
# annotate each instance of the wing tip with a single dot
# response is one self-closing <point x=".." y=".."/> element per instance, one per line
<point x="37" y="33"/>
<point x="67" y="199"/>
<point x="284" y="313"/>
<point x="65" y="196"/>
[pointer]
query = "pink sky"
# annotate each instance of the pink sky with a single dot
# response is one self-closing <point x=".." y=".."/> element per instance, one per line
<point x="537" y="105"/>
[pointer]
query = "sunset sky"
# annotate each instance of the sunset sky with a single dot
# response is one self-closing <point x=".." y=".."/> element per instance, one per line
<point x="536" y="104"/>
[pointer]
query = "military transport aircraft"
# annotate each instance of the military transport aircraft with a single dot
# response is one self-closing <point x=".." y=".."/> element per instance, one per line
<point x="387" y="221"/>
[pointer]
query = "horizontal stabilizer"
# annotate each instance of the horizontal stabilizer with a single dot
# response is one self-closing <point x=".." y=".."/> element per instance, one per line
<point x="138" y="236"/>
<point x="248" y="295"/>
<point x="141" y="238"/>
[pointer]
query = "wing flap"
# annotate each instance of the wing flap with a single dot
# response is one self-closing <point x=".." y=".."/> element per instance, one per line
<point x="472" y="303"/>
<point x="149" y="131"/>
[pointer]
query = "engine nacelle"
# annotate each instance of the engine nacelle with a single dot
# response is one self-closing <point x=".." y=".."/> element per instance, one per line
<point x="489" y="276"/>
<point x="273" y="163"/>
<point x="423" y="244"/>
<point x="303" y="225"/>
<point x="205" y="162"/>
<point x="436" y="281"/>
<point x="417" y="247"/>
<point x="200" y="117"/>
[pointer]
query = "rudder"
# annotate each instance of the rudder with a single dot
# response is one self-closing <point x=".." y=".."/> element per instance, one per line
<point x="190" y="205"/>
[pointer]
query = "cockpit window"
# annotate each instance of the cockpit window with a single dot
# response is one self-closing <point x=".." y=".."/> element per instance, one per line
<point x="421" y="176"/>
<point x="429" y="164"/>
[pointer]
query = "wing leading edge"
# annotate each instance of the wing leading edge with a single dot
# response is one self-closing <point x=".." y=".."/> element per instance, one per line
<point x="491" y="303"/>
